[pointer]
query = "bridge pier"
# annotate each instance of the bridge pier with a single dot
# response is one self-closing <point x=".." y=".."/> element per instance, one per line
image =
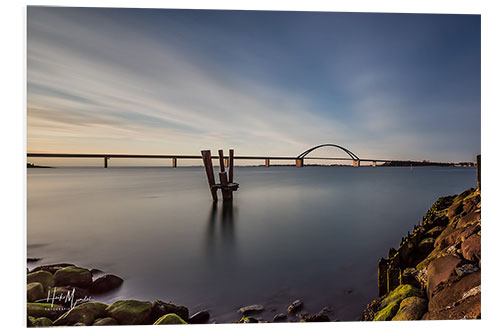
<point x="267" y="163"/>
<point x="106" y="162"/>
<point x="355" y="163"/>
<point x="174" y="162"/>
<point x="374" y="164"/>
<point x="299" y="162"/>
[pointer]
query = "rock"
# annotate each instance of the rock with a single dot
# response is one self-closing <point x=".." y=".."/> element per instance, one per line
<point x="30" y="321"/>
<point x="387" y="312"/>
<point x="95" y="271"/>
<point x="255" y="308"/>
<point x="411" y="308"/>
<point x="108" y="321"/>
<point x="79" y="324"/>
<point x="295" y="306"/>
<point x="280" y="317"/>
<point x="42" y="322"/>
<point x="470" y="308"/>
<point x="105" y="283"/>
<point x="315" y="318"/>
<point x="169" y="319"/>
<point x="160" y="309"/>
<point x="66" y="294"/>
<point x="473" y="218"/>
<point x="400" y="293"/>
<point x="33" y="259"/>
<point x="85" y="313"/>
<point x="73" y="276"/>
<point x="130" y="312"/>
<point x="49" y="310"/>
<point x="434" y="232"/>
<point x="453" y="291"/>
<point x="470" y="203"/>
<point x="45" y="278"/>
<point x="440" y="270"/>
<point x="200" y="317"/>
<point x="35" y="291"/>
<point x="471" y="248"/>
<point x="466" y="269"/>
<point x="51" y="268"/>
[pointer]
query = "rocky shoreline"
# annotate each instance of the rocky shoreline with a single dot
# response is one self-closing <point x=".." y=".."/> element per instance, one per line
<point x="435" y="274"/>
<point x="61" y="295"/>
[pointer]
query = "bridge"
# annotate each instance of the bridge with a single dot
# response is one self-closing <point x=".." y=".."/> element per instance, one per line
<point x="299" y="160"/>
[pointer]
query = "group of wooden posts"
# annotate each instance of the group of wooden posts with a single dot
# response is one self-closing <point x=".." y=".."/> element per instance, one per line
<point x="227" y="184"/>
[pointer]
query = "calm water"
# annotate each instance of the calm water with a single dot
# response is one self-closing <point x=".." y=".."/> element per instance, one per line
<point x="313" y="233"/>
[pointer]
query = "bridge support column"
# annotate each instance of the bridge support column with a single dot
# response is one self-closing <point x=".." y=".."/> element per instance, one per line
<point x="355" y="163"/>
<point x="299" y="162"/>
<point x="267" y="163"/>
<point x="106" y="162"/>
<point x="174" y="162"/>
<point x="374" y="164"/>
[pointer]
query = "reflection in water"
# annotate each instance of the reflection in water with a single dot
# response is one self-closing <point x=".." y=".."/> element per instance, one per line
<point x="225" y="222"/>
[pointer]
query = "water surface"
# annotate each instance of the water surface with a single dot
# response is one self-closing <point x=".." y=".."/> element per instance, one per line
<point x="314" y="233"/>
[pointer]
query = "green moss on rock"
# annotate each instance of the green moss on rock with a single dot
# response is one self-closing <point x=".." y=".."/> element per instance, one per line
<point x="43" y="277"/>
<point x="130" y="312"/>
<point x="401" y="292"/>
<point x="169" y="319"/>
<point x="73" y="276"/>
<point x="84" y="313"/>
<point x="42" y="322"/>
<point x="387" y="312"/>
<point x="411" y="308"/>
<point x="105" y="322"/>
<point x="48" y="310"/>
<point x="35" y="291"/>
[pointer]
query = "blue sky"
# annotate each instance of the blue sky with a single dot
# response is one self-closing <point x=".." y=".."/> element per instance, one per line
<point x="403" y="86"/>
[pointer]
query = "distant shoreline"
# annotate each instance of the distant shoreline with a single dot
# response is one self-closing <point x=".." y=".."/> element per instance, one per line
<point x="31" y="165"/>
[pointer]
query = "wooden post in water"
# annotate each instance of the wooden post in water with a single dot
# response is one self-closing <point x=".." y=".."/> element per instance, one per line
<point x="231" y="165"/>
<point x="209" y="169"/>
<point x="226" y="193"/>
<point x="478" y="168"/>
<point x="221" y="160"/>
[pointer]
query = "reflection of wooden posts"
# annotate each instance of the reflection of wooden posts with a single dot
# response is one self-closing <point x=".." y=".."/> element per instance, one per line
<point x="267" y="163"/>
<point x="478" y="158"/>
<point x="207" y="161"/>
<point x="174" y="162"/>
<point x="231" y="165"/>
<point x="227" y="186"/>
<point x="106" y="162"/>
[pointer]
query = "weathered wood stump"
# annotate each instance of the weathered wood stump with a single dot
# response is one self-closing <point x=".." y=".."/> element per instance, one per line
<point x="227" y="186"/>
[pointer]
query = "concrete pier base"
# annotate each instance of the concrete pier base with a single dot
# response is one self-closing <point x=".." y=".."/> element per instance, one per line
<point x="355" y="163"/>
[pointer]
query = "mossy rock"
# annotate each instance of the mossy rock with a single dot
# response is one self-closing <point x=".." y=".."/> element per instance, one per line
<point x="73" y="276"/>
<point x="401" y="292"/>
<point x="35" y="291"/>
<point x="48" y="310"/>
<point x="31" y="321"/>
<point x="387" y="312"/>
<point x="247" y="320"/>
<point x="108" y="321"/>
<point x="43" y="277"/>
<point x="42" y="322"/>
<point x="161" y="308"/>
<point x="411" y="308"/>
<point x="130" y="312"/>
<point x="169" y="319"/>
<point x="85" y="313"/>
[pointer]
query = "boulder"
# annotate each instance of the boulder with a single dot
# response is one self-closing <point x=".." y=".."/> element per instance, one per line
<point x="440" y="270"/>
<point x="434" y="232"/>
<point x="470" y="203"/>
<point x="453" y="291"/>
<point x="280" y="317"/>
<point x="51" y="268"/>
<point x="105" y="283"/>
<point x="68" y="294"/>
<point x="200" y="317"/>
<point x="160" y="309"/>
<point x="169" y="319"/>
<point x="42" y="322"/>
<point x="311" y="318"/>
<point x="400" y="293"/>
<point x="470" y="308"/>
<point x="73" y="276"/>
<point x="85" y="313"/>
<point x="44" y="277"/>
<point x="387" y="312"/>
<point x="49" y="310"/>
<point x="411" y="308"/>
<point x="255" y="308"/>
<point x="130" y="312"/>
<point x="295" y="306"/>
<point x="35" y="291"/>
<point x="472" y="218"/>
<point x="471" y="248"/>
<point x="108" y="321"/>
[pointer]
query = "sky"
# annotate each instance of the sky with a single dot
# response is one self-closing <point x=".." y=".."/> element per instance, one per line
<point x="159" y="81"/>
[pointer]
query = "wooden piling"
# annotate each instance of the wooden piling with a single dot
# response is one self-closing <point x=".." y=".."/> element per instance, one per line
<point x="221" y="160"/>
<point x="231" y="165"/>
<point x="227" y="194"/>
<point x="207" y="162"/>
